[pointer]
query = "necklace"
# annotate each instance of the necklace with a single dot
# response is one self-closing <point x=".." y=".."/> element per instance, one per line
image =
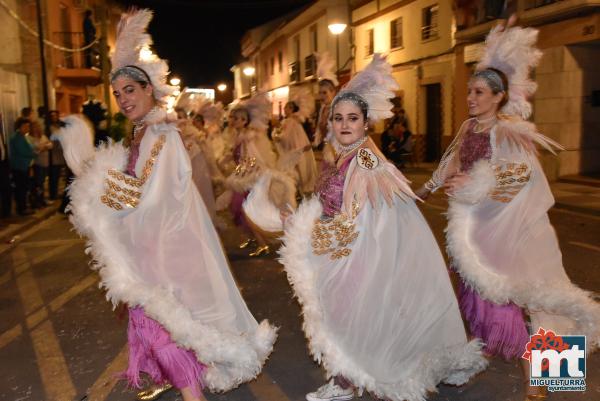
<point x="485" y="120"/>
<point x="346" y="149"/>
<point x="481" y="125"/>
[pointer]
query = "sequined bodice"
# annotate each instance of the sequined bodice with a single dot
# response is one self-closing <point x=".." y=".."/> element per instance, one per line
<point x="474" y="146"/>
<point x="134" y="153"/>
<point x="330" y="187"/>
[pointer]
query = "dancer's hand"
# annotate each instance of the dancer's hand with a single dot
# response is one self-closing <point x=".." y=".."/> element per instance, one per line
<point x="423" y="193"/>
<point x="455" y="183"/>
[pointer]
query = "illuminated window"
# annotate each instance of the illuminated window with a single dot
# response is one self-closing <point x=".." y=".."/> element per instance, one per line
<point x="429" y="25"/>
<point x="396" y="33"/>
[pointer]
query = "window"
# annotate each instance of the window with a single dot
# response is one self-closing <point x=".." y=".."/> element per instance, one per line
<point x="272" y="65"/>
<point x="396" y="33"/>
<point x="296" y="48"/>
<point x="370" y="46"/>
<point x="429" y="25"/>
<point x="314" y="39"/>
<point x="280" y="60"/>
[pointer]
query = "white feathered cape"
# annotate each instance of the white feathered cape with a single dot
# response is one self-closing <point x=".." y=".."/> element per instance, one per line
<point x="376" y="298"/>
<point x="154" y="246"/>
<point x="500" y="238"/>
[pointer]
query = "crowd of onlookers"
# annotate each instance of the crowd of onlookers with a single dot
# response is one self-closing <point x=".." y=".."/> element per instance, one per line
<point x="31" y="163"/>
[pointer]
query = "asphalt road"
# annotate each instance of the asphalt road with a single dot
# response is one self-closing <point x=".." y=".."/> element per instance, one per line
<point x="60" y="340"/>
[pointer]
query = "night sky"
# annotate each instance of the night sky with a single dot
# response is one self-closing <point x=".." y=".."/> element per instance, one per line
<point x="201" y="38"/>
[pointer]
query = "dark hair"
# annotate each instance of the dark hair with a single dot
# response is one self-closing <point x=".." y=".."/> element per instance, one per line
<point x="327" y="82"/>
<point x="88" y="13"/>
<point x="295" y="107"/>
<point x="20" y="122"/>
<point x="199" y="117"/>
<point x="26" y="111"/>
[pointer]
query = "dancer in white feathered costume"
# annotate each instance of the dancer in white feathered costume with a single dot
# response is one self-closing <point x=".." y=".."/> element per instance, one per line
<point x="499" y="237"/>
<point x="254" y="158"/>
<point x="154" y="244"/>
<point x="378" y="306"/>
<point x="291" y="142"/>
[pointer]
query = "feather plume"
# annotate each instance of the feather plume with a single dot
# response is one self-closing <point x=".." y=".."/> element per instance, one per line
<point x="376" y="85"/>
<point x="326" y="67"/>
<point x="305" y="102"/>
<point x="259" y="110"/>
<point x="132" y="38"/>
<point x="512" y="51"/>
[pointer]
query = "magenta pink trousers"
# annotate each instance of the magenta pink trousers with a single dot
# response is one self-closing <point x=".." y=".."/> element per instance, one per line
<point x="152" y="351"/>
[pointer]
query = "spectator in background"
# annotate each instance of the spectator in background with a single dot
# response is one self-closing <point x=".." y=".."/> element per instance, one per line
<point x="57" y="160"/>
<point x="327" y="92"/>
<point x="397" y="141"/>
<point x="41" y="118"/>
<point x="89" y="36"/>
<point x="21" y="156"/>
<point x="5" y="190"/>
<point x="26" y="113"/>
<point x="41" y="146"/>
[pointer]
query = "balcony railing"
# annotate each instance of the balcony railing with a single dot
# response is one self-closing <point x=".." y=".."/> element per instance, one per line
<point x="310" y="66"/>
<point x="430" y="32"/>
<point x="529" y="4"/>
<point x="89" y="58"/>
<point x="295" y="71"/>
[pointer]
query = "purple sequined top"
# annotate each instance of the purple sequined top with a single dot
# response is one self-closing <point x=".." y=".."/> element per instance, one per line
<point x="330" y="187"/>
<point x="475" y="146"/>
<point x="134" y="153"/>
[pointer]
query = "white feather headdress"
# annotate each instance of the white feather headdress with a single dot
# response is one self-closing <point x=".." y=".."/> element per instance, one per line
<point x="375" y="85"/>
<point x="513" y="51"/>
<point x="305" y="102"/>
<point x="326" y="67"/>
<point x="132" y="48"/>
<point x="259" y="109"/>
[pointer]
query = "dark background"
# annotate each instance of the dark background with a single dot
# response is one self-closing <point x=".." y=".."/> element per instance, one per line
<point x="201" y="38"/>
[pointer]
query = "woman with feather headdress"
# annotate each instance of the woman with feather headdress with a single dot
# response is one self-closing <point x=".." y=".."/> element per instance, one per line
<point x="291" y="142"/>
<point x="153" y="241"/>
<point x="379" y="310"/>
<point x="254" y="156"/>
<point x="500" y="240"/>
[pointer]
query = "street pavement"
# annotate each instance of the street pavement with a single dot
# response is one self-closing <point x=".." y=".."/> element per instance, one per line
<point x="61" y="340"/>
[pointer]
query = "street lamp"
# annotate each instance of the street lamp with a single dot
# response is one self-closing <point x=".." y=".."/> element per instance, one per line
<point x="337" y="28"/>
<point x="175" y="81"/>
<point x="221" y="87"/>
<point x="249" y="71"/>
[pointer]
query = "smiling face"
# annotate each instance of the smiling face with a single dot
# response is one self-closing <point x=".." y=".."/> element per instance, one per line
<point x="134" y="100"/>
<point x="349" y="124"/>
<point x="481" y="100"/>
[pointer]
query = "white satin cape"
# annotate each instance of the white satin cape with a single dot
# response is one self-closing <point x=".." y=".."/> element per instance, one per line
<point x="385" y="317"/>
<point x="165" y="256"/>
<point x="500" y="238"/>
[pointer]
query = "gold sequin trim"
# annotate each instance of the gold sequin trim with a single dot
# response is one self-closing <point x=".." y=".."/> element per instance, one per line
<point x="334" y="235"/>
<point x="510" y="179"/>
<point x="118" y="196"/>
<point x="245" y="167"/>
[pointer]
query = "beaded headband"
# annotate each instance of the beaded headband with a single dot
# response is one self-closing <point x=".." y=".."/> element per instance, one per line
<point x="354" y="98"/>
<point x="492" y="78"/>
<point x="133" y="72"/>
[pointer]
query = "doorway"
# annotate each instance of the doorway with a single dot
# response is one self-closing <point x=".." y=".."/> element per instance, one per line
<point x="433" y="112"/>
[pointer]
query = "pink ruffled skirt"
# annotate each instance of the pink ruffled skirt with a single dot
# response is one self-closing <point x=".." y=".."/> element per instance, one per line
<point x="501" y="327"/>
<point x="152" y="351"/>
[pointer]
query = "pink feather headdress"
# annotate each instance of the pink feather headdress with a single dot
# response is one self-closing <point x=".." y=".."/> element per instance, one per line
<point x="132" y="49"/>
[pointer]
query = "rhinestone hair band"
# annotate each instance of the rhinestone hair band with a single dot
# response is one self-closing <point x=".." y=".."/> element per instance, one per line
<point x="492" y="78"/>
<point x="353" y="97"/>
<point x="133" y="72"/>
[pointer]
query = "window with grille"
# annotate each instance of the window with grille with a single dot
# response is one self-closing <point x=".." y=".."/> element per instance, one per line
<point x="370" y="46"/>
<point x="396" y="33"/>
<point x="429" y="25"/>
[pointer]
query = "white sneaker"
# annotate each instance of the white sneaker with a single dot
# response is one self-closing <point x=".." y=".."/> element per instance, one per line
<point x="331" y="392"/>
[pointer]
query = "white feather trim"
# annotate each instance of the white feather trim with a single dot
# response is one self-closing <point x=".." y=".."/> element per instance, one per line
<point x="231" y="358"/>
<point x="77" y="141"/>
<point x="560" y="298"/>
<point x="451" y="365"/>
<point x="482" y="181"/>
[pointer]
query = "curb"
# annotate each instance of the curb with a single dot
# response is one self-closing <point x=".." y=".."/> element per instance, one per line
<point x="9" y="233"/>
<point x="578" y="209"/>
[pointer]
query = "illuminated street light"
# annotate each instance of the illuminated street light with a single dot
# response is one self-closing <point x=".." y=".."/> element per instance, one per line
<point x="337" y="29"/>
<point x="175" y="81"/>
<point x="221" y="87"/>
<point x="249" y="71"/>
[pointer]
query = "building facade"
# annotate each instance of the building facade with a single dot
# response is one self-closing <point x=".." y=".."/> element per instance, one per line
<point x="418" y="37"/>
